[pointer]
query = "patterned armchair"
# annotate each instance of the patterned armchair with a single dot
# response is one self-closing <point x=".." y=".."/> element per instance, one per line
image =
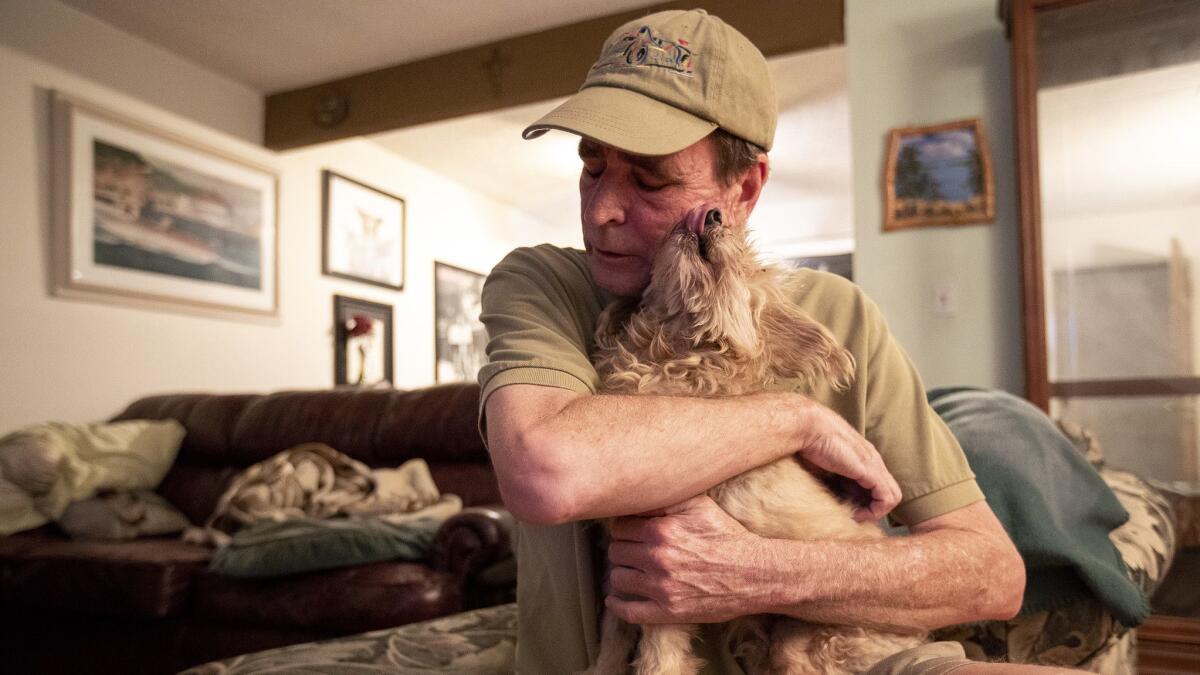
<point x="1083" y="635"/>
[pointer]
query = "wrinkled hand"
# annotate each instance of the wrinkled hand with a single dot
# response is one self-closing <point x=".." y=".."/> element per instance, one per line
<point x="690" y="563"/>
<point x="836" y="447"/>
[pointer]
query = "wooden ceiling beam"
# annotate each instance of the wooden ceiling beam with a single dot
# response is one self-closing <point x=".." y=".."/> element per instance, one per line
<point x="520" y="70"/>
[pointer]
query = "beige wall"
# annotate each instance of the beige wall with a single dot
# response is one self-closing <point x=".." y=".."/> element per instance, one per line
<point x="922" y="62"/>
<point x="83" y="360"/>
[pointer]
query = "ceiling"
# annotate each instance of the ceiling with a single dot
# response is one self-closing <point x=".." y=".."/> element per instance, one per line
<point x="486" y="153"/>
<point x="276" y="45"/>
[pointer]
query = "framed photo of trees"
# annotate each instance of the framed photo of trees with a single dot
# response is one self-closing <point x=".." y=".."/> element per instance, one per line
<point x="938" y="175"/>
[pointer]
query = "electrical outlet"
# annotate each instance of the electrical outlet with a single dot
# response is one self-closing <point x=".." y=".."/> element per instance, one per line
<point x="945" y="298"/>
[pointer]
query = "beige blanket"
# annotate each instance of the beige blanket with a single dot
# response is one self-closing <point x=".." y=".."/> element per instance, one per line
<point x="314" y="480"/>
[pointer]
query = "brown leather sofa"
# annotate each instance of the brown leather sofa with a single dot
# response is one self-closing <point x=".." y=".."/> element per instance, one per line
<point x="150" y="605"/>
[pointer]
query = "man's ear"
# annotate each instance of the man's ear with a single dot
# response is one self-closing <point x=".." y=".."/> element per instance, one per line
<point x="749" y="186"/>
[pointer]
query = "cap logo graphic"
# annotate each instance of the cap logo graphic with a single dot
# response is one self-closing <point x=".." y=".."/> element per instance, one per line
<point x="644" y="49"/>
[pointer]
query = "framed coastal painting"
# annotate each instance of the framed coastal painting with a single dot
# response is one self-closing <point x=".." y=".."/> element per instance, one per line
<point x="362" y="342"/>
<point x="363" y="232"/>
<point x="142" y="213"/>
<point x="459" y="335"/>
<point x="938" y="175"/>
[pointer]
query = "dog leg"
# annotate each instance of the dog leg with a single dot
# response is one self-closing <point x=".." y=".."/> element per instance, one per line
<point x="666" y="649"/>
<point x="617" y="639"/>
<point x="749" y="641"/>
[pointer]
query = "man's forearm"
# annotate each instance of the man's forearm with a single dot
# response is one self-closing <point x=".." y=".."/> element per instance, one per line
<point x="922" y="581"/>
<point x="602" y="456"/>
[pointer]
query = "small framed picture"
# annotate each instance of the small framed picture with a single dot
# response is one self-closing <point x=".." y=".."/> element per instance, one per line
<point x="144" y="213"/>
<point x="458" y="333"/>
<point x="362" y="342"/>
<point x="362" y="230"/>
<point x="938" y="175"/>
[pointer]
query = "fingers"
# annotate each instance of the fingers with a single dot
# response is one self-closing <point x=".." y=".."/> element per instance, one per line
<point x="636" y="611"/>
<point x="627" y="581"/>
<point x="685" y="505"/>
<point x="840" y="449"/>
<point x="629" y="528"/>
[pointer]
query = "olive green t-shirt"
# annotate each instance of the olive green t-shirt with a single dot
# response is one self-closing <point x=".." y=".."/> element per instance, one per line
<point x="540" y="307"/>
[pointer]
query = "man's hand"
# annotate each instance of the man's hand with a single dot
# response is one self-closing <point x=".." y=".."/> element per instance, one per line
<point x="690" y="563"/>
<point x="833" y="445"/>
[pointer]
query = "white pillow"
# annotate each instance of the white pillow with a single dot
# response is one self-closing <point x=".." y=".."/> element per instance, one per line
<point x="17" y="511"/>
<point x="56" y="463"/>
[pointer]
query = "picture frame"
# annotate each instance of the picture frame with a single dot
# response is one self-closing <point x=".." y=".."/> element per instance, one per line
<point x="841" y="264"/>
<point x="362" y="232"/>
<point x="938" y="175"/>
<point x="459" y="335"/>
<point x="144" y="214"/>
<point x="362" y="356"/>
<point x="827" y="255"/>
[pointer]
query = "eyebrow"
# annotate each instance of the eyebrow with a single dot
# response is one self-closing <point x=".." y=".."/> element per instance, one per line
<point x="653" y="165"/>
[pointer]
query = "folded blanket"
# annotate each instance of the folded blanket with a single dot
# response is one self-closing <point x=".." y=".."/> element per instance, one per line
<point x="313" y="480"/>
<point x="1050" y="500"/>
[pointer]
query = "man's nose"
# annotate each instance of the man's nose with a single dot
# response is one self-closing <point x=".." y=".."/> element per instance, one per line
<point x="604" y="202"/>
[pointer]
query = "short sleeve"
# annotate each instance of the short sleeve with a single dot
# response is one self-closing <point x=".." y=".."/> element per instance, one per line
<point x="918" y="448"/>
<point x="540" y="309"/>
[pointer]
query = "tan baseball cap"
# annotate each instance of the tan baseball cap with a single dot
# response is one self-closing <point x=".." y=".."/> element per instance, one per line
<point x="667" y="80"/>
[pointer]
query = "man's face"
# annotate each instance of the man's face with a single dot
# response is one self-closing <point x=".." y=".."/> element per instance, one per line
<point x="629" y="203"/>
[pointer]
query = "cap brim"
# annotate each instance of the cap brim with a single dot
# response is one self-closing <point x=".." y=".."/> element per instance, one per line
<point x="626" y="120"/>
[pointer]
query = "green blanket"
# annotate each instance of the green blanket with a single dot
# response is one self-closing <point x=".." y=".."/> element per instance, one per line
<point x="1050" y="500"/>
<point x="296" y="545"/>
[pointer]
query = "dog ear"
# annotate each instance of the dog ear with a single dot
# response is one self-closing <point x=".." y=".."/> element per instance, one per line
<point x="800" y="348"/>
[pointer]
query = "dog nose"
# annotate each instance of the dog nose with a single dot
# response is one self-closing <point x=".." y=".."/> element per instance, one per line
<point x="699" y="217"/>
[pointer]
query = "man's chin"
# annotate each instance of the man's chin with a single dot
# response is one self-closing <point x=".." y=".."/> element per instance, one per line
<point x="618" y="282"/>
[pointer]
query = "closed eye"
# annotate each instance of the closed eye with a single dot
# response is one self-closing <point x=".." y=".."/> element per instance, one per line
<point x="646" y="186"/>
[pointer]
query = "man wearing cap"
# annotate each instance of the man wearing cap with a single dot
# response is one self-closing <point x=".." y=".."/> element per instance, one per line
<point x="679" y="111"/>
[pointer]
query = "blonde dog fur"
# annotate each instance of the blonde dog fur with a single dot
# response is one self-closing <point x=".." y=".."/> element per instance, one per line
<point x="715" y="322"/>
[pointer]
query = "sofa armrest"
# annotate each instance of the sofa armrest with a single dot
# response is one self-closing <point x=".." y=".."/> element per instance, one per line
<point x="473" y="540"/>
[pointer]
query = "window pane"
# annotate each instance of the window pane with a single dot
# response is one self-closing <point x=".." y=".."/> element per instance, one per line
<point x="1152" y="436"/>
<point x="1119" y="138"/>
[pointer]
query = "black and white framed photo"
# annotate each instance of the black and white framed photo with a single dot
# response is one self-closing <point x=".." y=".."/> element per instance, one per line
<point x="362" y="232"/>
<point x="458" y="332"/>
<point x="835" y="256"/>
<point x="362" y="342"/>
<point x="144" y="213"/>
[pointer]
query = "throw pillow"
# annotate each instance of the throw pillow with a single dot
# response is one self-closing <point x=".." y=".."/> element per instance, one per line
<point x="122" y="515"/>
<point x="57" y="463"/>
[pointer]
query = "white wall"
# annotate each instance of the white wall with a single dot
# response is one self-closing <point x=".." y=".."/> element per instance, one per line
<point x="81" y="360"/>
<point x="922" y="62"/>
<point x="85" y="46"/>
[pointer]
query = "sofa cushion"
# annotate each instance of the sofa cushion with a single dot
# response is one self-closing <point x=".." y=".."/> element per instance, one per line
<point x="344" y="600"/>
<point x="139" y="578"/>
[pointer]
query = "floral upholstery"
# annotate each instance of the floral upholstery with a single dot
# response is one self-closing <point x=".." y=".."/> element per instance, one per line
<point x="482" y="642"/>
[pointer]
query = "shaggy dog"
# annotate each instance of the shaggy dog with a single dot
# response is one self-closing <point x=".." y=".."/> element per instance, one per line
<point x="715" y="322"/>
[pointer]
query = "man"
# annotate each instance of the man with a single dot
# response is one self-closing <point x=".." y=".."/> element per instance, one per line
<point x="679" y="111"/>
